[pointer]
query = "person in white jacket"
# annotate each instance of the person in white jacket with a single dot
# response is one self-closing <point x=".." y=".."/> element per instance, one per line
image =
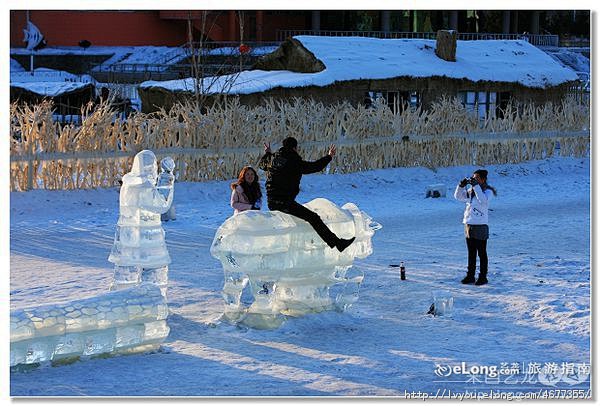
<point x="475" y="219"/>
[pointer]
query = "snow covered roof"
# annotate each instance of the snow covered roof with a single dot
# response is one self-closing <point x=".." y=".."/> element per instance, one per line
<point x="50" y="89"/>
<point x="355" y="58"/>
<point x="49" y="82"/>
<point x="48" y="75"/>
<point x="573" y="60"/>
<point x="147" y="54"/>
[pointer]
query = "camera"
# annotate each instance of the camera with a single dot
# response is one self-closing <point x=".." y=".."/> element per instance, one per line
<point x="468" y="181"/>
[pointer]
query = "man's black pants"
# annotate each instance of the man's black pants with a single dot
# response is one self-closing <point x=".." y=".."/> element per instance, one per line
<point x="297" y="210"/>
<point x="477" y="247"/>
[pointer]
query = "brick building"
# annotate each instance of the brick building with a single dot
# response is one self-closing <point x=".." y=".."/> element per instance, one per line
<point x="170" y="27"/>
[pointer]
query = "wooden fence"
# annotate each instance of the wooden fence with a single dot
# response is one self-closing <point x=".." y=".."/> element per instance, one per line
<point x="216" y="143"/>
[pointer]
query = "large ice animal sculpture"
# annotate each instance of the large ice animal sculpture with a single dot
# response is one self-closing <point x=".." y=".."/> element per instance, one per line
<point x="290" y="270"/>
<point x="125" y="321"/>
<point x="139" y="251"/>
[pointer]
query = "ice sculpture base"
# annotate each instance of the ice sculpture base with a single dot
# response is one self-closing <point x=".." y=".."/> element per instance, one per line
<point x="121" y="322"/>
<point x="285" y="267"/>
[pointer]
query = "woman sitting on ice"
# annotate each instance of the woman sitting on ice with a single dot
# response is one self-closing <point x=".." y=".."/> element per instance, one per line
<point x="245" y="193"/>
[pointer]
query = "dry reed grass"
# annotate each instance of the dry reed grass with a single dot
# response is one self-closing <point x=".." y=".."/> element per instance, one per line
<point x="216" y="142"/>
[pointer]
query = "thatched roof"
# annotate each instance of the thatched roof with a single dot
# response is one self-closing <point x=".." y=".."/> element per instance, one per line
<point x="512" y="63"/>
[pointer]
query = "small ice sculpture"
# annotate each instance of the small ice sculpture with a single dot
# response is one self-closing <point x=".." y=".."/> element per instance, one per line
<point x="443" y="303"/>
<point x="166" y="180"/>
<point x="288" y="268"/>
<point x="139" y="251"/>
<point x="126" y="321"/>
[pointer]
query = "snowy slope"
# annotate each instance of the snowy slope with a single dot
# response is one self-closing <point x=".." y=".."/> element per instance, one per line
<point x="354" y="58"/>
<point x="535" y="309"/>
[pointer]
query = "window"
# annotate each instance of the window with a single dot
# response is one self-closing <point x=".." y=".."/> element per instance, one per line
<point x="396" y="100"/>
<point x="484" y="103"/>
<point x="502" y="101"/>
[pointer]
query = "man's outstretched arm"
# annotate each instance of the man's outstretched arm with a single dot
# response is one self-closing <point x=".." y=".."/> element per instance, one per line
<point x="320" y="164"/>
<point x="265" y="161"/>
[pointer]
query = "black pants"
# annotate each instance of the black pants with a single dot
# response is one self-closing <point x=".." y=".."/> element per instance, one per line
<point x="297" y="210"/>
<point x="477" y="247"/>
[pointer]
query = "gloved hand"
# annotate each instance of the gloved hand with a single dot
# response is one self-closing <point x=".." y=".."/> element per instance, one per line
<point x="473" y="182"/>
<point x="463" y="182"/>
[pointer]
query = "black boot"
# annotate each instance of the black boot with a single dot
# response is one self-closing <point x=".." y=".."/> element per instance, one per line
<point x="343" y="243"/>
<point x="470" y="278"/>
<point x="481" y="280"/>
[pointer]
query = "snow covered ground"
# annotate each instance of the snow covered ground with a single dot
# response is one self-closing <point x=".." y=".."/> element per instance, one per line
<point x="536" y="308"/>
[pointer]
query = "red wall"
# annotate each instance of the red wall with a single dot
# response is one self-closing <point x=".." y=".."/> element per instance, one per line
<point x="288" y="21"/>
<point x="109" y="28"/>
<point x="67" y="28"/>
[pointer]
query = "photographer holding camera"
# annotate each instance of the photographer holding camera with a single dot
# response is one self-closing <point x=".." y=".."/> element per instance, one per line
<point x="475" y="219"/>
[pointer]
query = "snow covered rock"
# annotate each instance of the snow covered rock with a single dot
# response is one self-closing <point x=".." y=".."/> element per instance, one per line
<point x="288" y="269"/>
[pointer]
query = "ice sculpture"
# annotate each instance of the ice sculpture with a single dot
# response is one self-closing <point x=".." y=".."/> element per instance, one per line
<point x="124" y="321"/>
<point x="166" y="180"/>
<point x="139" y="251"/>
<point x="443" y="303"/>
<point x="288" y="268"/>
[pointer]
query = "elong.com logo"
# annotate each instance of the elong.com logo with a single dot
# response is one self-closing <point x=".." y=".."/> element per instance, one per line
<point x="464" y="369"/>
<point x="548" y="373"/>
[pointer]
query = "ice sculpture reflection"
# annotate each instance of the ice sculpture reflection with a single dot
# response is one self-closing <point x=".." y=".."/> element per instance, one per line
<point x="139" y="251"/>
<point x="287" y="267"/>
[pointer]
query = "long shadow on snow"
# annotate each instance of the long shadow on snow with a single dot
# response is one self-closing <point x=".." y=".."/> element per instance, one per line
<point x="156" y="374"/>
<point x="233" y="346"/>
<point x="405" y="347"/>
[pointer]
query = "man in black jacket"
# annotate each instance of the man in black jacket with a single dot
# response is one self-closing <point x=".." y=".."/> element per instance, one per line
<point x="284" y="170"/>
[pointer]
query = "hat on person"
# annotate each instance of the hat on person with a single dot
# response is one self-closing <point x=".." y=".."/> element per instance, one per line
<point x="290" y="143"/>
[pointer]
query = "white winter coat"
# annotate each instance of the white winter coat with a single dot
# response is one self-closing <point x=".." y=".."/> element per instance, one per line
<point x="476" y="211"/>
